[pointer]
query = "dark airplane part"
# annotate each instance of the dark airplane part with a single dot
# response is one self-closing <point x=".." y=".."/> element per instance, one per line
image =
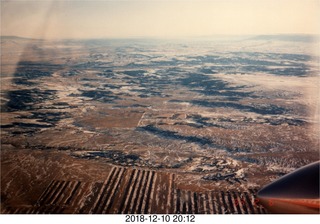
<point x="296" y="192"/>
<point x="302" y="183"/>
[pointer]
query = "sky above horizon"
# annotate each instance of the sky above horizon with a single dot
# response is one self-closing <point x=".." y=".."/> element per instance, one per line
<point x="157" y="18"/>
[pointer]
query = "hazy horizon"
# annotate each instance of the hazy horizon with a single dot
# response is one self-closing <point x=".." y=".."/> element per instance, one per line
<point x="217" y="38"/>
<point x="157" y="19"/>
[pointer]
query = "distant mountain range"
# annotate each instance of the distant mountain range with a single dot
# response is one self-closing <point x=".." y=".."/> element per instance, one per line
<point x="277" y="37"/>
<point x="288" y="37"/>
<point x="17" y="38"/>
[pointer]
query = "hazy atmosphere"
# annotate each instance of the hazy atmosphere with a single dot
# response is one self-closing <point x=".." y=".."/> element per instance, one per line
<point x="159" y="107"/>
<point x="138" y="18"/>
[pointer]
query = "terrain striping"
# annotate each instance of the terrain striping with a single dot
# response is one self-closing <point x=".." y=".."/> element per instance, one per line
<point x="136" y="191"/>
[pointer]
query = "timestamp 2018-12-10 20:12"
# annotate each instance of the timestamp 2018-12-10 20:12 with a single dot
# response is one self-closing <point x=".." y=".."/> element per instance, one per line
<point x="160" y="218"/>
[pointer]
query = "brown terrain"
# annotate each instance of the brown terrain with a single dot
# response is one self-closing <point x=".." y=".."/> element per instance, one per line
<point x="133" y="127"/>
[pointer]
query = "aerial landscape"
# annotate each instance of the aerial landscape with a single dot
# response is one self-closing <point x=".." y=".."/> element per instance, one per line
<point x="154" y="125"/>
